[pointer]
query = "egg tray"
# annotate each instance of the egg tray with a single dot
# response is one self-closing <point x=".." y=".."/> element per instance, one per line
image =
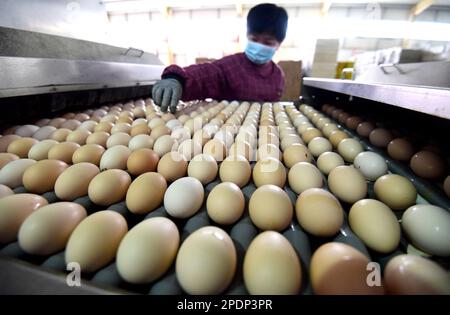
<point x="242" y="233"/>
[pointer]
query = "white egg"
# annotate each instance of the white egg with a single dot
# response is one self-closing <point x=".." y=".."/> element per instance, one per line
<point x="184" y="197"/>
<point x="371" y="164"/>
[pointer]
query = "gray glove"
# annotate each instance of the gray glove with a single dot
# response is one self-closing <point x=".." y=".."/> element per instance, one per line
<point x="166" y="93"/>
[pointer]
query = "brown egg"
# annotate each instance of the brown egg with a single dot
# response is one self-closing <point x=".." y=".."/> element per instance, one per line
<point x="63" y="151"/>
<point x="81" y="117"/>
<point x="411" y="274"/>
<point x="310" y="134"/>
<point x="71" y="124"/>
<point x="91" y="153"/>
<point x="60" y="135"/>
<point x="74" y="181"/>
<point x="142" y="161"/>
<point x="352" y="122"/>
<point x="225" y="203"/>
<point x="296" y="153"/>
<point x="336" y="137"/>
<point x="365" y="128"/>
<point x="203" y="167"/>
<point x="105" y="126"/>
<point x="6" y="140"/>
<point x="109" y="187"/>
<point x="328" y="129"/>
<point x="41" y="176"/>
<point x="98" y="137"/>
<point x="335" y="113"/>
<point x="14" y="210"/>
<point x="78" y="136"/>
<point x="266" y="151"/>
<point x="396" y="191"/>
<point x="319" y="212"/>
<point x="146" y="192"/>
<point x="447" y="186"/>
<point x="428" y="165"/>
<point x="242" y="148"/>
<point x="140" y="129"/>
<point x="159" y="131"/>
<point x="380" y="137"/>
<point x="235" y="169"/>
<point x="303" y="176"/>
<point x="343" y="117"/>
<point x="5" y="158"/>
<point x="172" y="166"/>
<point x="347" y="183"/>
<point x="338" y="268"/>
<point x="270" y="171"/>
<point x="400" y="149"/>
<point x="20" y="147"/>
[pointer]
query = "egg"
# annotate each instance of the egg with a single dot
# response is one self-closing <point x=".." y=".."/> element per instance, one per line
<point x="115" y="157"/>
<point x="270" y="254"/>
<point x="225" y="136"/>
<point x="203" y="167"/>
<point x="270" y="208"/>
<point x="184" y="197"/>
<point x="242" y="148"/>
<point x="289" y="140"/>
<point x="56" y="122"/>
<point x="78" y="136"/>
<point x="44" y="132"/>
<point x="270" y="171"/>
<point x="99" y="137"/>
<point x="296" y="153"/>
<point x="375" y="224"/>
<point x="14" y="209"/>
<point x="5" y="191"/>
<point x="365" y="128"/>
<point x="328" y="161"/>
<point x="396" y="191"/>
<point x="338" y="268"/>
<point x="349" y="149"/>
<point x="63" y="151"/>
<point x="410" y="274"/>
<point x="428" y="227"/>
<point x="311" y="133"/>
<point x="74" y="181"/>
<point x="319" y="145"/>
<point x="60" y="135"/>
<point x="6" y="140"/>
<point x="215" y="148"/>
<point x="352" y="122"/>
<point x="319" y="212"/>
<point x="165" y="144"/>
<point x="148" y="250"/>
<point x="119" y="138"/>
<point x="146" y="193"/>
<point x="93" y="243"/>
<point x="347" y="183"/>
<point x="189" y="148"/>
<point x="303" y="176"/>
<point x="380" y="137"/>
<point x="104" y="126"/>
<point x="400" y="149"/>
<point x="182" y="134"/>
<point x="39" y="151"/>
<point x="109" y="187"/>
<point x="41" y="176"/>
<point x="268" y="138"/>
<point x="336" y="137"/>
<point x="90" y="153"/>
<point x="235" y="169"/>
<point x="122" y="126"/>
<point x="140" y="142"/>
<point x="206" y="261"/>
<point x="47" y="230"/>
<point x="155" y="122"/>
<point x="200" y="136"/>
<point x="11" y="174"/>
<point x="172" y="166"/>
<point x="71" y="124"/>
<point x="26" y="130"/>
<point x="329" y="128"/>
<point x="428" y="165"/>
<point x="88" y="125"/>
<point x="225" y="203"/>
<point x="142" y="161"/>
<point x="140" y="129"/>
<point x="159" y="131"/>
<point x="371" y="165"/>
<point x="21" y="147"/>
<point x="5" y="158"/>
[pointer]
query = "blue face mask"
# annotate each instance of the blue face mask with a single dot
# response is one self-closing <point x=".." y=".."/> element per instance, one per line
<point x="259" y="53"/>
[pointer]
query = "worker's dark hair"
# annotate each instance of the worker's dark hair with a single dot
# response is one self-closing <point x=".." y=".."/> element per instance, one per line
<point x="267" y="18"/>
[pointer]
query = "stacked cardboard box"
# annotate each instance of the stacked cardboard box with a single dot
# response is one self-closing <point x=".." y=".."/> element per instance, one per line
<point x="325" y="57"/>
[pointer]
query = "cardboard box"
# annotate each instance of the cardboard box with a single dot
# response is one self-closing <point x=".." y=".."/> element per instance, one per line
<point x="293" y="79"/>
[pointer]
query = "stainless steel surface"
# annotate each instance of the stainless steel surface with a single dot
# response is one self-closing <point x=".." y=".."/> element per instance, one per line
<point x="27" y="76"/>
<point x="428" y="100"/>
<point x="82" y="19"/>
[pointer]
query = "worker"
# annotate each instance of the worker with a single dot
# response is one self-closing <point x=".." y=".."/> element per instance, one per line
<point x="250" y="76"/>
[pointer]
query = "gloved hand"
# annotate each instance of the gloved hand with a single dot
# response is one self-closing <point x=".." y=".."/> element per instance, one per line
<point x="166" y="93"/>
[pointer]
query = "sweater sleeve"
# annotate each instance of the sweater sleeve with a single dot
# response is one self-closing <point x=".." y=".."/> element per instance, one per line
<point x="200" y="81"/>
